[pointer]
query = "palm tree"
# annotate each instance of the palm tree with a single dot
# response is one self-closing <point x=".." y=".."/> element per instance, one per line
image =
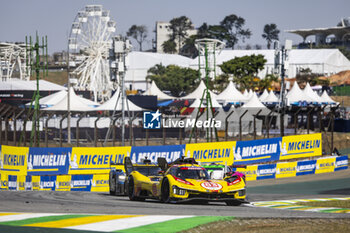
<point x="270" y="33"/>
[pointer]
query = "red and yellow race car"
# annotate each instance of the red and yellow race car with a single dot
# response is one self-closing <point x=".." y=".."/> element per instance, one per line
<point x="184" y="180"/>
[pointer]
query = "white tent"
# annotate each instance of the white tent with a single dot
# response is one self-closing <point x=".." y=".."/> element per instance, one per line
<point x="197" y="102"/>
<point x="50" y="100"/>
<point x="271" y="98"/>
<point x="311" y="94"/>
<point x="110" y="104"/>
<point x="198" y="93"/>
<point x="77" y="104"/>
<point x="231" y="94"/>
<point x="154" y="90"/>
<point x="254" y="105"/>
<point x="250" y="94"/>
<point x="296" y="95"/>
<point x="246" y="93"/>
<point x="16" y="84"/>
<point x="326" y="99"/>
<point x="263" y="95"/>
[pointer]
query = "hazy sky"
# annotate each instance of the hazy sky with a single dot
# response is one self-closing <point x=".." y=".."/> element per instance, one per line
<point x="19" y="18"/>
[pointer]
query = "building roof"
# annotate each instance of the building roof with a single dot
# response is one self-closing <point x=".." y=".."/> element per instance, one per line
<point x="16" y="84"/>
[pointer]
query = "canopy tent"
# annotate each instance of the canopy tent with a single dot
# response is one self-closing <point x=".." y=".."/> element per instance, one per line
<point x="271" y="98"/>
<point x="231" y="94"/>
<point x="50" y="100"/>
<point x="16" y="84"/>
<point x="198" y="93"/>
<point x="264" y="95"/>
<point x="197" y="102"/>
<point x="246" y="93"/>
<point x="312" y="95"/>
<point x="326" y="99"/>
<point x="154" y="90"/>
<point x="77" y="104"/>
<point x="254" y="105"/>
<point x="110" y="104"/>
<point x="296" y="95"/>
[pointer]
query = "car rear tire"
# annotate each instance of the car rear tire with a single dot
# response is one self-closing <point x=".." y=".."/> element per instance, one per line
<point x="112" y="187"/>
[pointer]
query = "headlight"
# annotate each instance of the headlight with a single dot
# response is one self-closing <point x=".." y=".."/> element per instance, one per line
<point x="178" y="191"/>
<point x="121" y="177"/>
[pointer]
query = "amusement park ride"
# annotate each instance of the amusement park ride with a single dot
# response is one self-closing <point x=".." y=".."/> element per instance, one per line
<point x="89" y="46"/>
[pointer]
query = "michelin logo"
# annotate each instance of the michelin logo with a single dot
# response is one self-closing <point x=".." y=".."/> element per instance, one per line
<point x="264" y="172"/>
<point x="255" y="151"/>
<point x="309" y="167"/>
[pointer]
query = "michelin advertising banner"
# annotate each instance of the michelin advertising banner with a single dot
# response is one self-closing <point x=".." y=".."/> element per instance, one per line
<point x="301" y="146"/>
<point x="306" y="167"/>
<point x="13" y="160"/>
<point x="218" y="152"/>
<point x="48" y="161"/>
<point x="170" y="153"/>
<point x="257" y="151"/>
<point x="93" y="160"/>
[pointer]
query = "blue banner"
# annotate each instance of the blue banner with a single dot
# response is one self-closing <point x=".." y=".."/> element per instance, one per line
<point x="12" y="182"/>
<point x="48" y="161"/>
<point x="306" y="167"/>
<point x="28" y="184"/>
<point x="48" y="183"/>
<point x="266" y="171"/>
<point x="257" y="151"/>
<point x="170" y="153"/>
<point x="81" y="182"/>
<point x="341" y="163"/>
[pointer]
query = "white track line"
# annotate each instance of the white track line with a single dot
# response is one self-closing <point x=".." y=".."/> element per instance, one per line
<point x="17" y="217"/>
<point x="125" y="223"/>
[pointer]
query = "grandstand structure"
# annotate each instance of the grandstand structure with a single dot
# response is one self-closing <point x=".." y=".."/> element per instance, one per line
<point x="337" y="36"/>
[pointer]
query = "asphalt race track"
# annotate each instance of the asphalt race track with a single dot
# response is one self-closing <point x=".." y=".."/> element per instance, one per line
<point x="312" y="186"/>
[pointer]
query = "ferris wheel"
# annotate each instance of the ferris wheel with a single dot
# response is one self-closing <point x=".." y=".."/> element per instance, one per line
<point x="13" y="61"/>
<point x="88" y="50"/>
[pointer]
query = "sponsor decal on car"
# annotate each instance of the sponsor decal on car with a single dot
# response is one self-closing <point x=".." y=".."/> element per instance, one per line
<point x="211" y="186"/>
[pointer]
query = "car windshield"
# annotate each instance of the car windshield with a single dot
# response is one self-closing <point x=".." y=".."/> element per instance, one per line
<point x="148" y="170"/>
<point x="196" y="173"/>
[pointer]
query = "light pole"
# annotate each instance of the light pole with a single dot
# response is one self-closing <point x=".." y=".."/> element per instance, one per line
<point x="281" y="65"/>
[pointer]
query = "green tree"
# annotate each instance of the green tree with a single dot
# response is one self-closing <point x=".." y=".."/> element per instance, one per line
<point x="169" y="46"/>
<point x="266" y="83"/>
<point x="270" y="33"/>
<point x="139" y="33"/>
<point x="189" y="49"/>
<point x="233" y="25"/>
<point x="306" y="75"/>
<point x="179" y="27"/>
<point x="177" y="80"/>
<point x="244" y="69"/>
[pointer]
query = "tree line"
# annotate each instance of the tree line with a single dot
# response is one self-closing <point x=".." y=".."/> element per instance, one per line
<point x="230" y="30"/>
